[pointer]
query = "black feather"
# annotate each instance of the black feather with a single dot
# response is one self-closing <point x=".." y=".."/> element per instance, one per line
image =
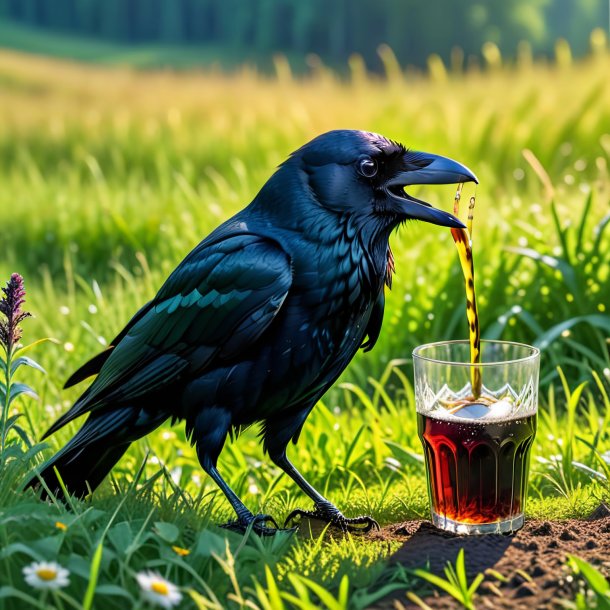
<point x="91" y="367"/>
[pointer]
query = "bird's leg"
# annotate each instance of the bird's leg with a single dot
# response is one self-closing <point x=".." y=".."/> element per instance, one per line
<point x="323" y="509"/>
<point x="210" y="430"/>
<point x="245" y="517"/>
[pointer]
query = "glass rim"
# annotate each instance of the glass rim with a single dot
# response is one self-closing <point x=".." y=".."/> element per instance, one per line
<point x="534" y="353"/>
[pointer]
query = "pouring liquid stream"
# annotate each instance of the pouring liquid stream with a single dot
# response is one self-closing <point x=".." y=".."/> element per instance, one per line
<point x="463" y="242"/>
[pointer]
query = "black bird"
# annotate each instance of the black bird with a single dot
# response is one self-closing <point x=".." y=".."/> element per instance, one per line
<point x="260" y="319"/>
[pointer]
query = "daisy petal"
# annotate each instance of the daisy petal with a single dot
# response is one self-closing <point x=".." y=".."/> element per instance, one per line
<point x="157" y="590"/>
<point x="46" y="575"/>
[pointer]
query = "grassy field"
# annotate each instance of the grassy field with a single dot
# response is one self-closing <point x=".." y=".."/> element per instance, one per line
<point x="109" y="177"/>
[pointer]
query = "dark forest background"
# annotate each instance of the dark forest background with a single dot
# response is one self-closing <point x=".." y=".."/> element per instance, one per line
<point x="249" y="29"/>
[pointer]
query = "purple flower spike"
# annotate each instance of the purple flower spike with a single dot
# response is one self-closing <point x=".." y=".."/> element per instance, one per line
<point x="10" y="306"/>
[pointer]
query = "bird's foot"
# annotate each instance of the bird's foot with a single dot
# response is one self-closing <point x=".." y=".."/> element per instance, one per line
<point x="257" y="523"/>
<point x="331" y="514"/>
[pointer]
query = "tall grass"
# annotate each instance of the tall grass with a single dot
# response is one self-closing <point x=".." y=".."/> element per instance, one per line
<point x="110" y="176"/>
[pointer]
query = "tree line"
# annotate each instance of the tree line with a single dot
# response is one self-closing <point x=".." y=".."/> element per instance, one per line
<point x="333" y="29"/>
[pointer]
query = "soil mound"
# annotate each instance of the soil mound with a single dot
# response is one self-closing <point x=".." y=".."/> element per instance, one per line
<point x="532" y="560"/>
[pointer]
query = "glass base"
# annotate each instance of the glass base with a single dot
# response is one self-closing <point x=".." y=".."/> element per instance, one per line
<point x="507" y="526"/>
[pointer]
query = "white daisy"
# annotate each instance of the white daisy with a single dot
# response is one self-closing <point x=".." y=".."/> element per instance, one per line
<point x="46" y="575"/>
<point x="157" y="590"/>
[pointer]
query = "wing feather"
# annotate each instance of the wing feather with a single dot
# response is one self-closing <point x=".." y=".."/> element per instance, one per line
<point x="217" y="303"/>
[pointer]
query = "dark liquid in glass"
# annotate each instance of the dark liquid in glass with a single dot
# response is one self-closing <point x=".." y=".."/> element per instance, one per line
<point x="477" y="471"/>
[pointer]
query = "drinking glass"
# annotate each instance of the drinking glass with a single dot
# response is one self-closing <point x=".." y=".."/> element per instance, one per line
<point x="477" y="449"/>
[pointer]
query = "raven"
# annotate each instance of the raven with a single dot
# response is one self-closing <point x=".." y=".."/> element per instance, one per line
<point x="260" y="319"/>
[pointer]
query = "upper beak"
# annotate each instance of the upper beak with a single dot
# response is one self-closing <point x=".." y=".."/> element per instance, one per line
<point x="440" y="170"/>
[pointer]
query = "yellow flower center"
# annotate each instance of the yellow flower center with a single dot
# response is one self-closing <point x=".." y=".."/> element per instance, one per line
<point x="46" y="574"/>
<point x="180" y="551"/>
<point x="160" y="588"/>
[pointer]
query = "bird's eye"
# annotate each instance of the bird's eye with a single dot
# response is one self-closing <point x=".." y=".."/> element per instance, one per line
<point x="367" y="167"/>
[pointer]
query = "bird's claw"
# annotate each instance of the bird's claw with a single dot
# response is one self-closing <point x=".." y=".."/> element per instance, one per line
<point x="256" y="523"/>
<point x="330" y="514"/>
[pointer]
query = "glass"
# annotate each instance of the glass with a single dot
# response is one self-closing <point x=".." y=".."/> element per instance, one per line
<point x="477" y="450"/>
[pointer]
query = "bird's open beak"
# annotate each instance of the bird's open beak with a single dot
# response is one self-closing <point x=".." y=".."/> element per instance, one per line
<point x="440" y="170"/>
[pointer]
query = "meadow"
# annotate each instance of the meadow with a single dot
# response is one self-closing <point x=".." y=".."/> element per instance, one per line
<point x="110" y="176"/>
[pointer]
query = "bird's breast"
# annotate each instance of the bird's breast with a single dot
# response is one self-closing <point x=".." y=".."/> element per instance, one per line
<point x="324" y="319"/>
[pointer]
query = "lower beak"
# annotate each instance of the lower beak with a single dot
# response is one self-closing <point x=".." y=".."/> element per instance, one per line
<point x="439" y="170"/>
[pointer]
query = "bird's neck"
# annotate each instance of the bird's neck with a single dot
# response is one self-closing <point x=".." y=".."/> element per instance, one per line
<point x="287" y="204"/>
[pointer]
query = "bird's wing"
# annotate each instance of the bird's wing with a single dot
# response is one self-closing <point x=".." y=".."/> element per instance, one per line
<point x="93" y="366"/>
<point x="218" y="301"/>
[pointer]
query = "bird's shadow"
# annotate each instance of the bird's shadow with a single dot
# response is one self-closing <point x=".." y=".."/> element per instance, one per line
<point x="431" y="548"/>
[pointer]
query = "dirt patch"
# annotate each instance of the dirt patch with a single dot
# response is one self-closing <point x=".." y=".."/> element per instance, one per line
<point x="532" y="561"/>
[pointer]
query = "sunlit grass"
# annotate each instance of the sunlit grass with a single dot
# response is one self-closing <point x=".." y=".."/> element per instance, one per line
<point x="380" y="473"/>
<point x="110" y="176"/>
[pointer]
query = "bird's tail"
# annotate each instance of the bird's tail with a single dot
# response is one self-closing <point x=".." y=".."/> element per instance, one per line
<point x="81" y="469"/>
<point x="89" y="456"/>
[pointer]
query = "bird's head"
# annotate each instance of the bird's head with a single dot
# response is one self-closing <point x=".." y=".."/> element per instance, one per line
<point x="364" y="173"/>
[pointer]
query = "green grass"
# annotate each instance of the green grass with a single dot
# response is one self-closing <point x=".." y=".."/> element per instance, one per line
<point x="110" y="176"/>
